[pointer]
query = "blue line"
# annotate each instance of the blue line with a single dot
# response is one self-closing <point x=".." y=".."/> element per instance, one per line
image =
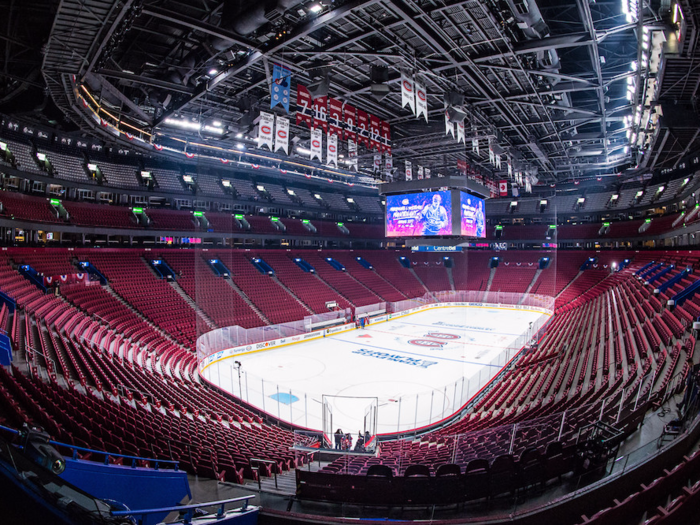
<point x="437" y="327"/>
<point x="423" y="355"/>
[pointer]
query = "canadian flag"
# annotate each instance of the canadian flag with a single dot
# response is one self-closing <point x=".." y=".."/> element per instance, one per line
<point x="503" y="188"/>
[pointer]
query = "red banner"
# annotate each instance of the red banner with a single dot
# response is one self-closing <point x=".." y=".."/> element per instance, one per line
<point x="70" y="278"/>
<point x="374" y="133"/>
<point x="503" y="188"/>
<point x="363" y="128"/>
<point x="304" y="106"/>
<point x="335" y="117"/>
<point x="320" y="110"/>
<point x="462" y="166"/>
<point x="386" y="136"/>
<point x="350" y="119"/>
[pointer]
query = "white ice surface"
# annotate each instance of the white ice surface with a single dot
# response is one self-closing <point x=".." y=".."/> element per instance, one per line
<point x="414" y="384"/>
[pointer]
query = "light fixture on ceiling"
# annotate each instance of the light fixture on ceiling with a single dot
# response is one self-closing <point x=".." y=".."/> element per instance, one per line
<point x="315" y="8"/>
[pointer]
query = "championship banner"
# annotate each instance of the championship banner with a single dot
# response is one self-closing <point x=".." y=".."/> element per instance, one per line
<point x="388" y="165"/>
<point x="267" y="122"/>
<point x="375" y="133"/>
<point x="475" y="146"/>
<point x="316" y="143"/>
<point x="320" y="107"/>
<point x="332" y="150"/>
<point x="350" y="120"/>
<point x="409" y="172"/>
<point x="503" y="188"/>
<point x="449" y="126"/>
<point x="427" y="173"/>
<point x="282" y="135"/>
<point x="304" y="106"/>
<point x="408" y="95"/>
<point x="377" y="166"/>
<point x="363" y="128"/>
<point x="492" y="155"/>
<point x="421" y="101"/>
<point x="460" y="132"/>
<point x="335" y="117"/>
<point x="385" y="129"/>
<point x="352" y="154"/>
<point x="420" y="172"/>
<point x="279" y="89"/>
<point x="510" y="167"/>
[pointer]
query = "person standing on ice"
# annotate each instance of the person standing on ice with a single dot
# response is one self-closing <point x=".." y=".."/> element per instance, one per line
<point x="338" y="438"/>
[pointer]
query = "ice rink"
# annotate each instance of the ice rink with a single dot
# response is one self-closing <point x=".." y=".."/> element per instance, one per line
<point x="421" y="368"/>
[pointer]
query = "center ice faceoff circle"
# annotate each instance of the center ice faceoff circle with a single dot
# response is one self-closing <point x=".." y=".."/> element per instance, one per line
<point x="419" y="367"/>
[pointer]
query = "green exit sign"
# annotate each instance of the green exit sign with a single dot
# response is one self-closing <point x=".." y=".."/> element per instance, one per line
<point x="199" y="214"/>
<point x="137" y="210"/>
<point x="55" y="202"/>
<point x="239" y="217"/>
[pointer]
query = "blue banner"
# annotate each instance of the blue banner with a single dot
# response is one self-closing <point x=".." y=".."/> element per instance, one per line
<point x="279" y="90"/>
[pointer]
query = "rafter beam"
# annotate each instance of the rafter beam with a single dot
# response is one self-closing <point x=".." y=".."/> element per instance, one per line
<point x="146" y="81"/>
<point x="198" y="25"/>
<point x="257" y="55"/>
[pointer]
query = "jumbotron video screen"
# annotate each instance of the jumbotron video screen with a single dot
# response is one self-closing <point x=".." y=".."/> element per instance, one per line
<point x="434" y="214"/>
<point x="426" y="214"/>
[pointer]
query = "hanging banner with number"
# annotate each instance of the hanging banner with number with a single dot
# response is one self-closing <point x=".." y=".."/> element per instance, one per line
<point x="304" y="106"/>
<point x="363" y="128"/>
<point x="335" y="117"/>
<point x="320" y="112"/>
<point x="350" y="120"/>
<point x="386" y="136"/>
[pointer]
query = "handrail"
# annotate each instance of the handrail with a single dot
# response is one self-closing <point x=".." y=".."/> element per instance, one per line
<point x="189" y="508"/>
<point x="259" y="460"/>
<point x="107" y="455"/>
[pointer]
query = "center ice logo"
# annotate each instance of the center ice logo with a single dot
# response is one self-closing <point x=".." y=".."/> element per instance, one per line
<point x="431" y="343"/>
<point x="441" y="335"/>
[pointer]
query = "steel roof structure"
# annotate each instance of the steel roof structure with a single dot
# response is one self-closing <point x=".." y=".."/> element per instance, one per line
<point x="568" y="89"/>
